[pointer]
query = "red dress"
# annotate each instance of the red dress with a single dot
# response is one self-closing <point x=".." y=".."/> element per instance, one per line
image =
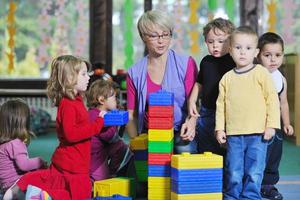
<point x="68" y="175"/>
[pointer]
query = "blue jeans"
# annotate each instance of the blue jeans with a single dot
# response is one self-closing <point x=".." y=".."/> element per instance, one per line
<point x="244" y="166"/>
<point x="206" y="132"/>
<point x="183" y="145"/>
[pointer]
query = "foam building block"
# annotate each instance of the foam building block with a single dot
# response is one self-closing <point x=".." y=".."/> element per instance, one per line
<point x="116" y="118"/>
<point x="207" y="196"/>
<point x="160" y="122"/>
<point x="159" y="170"/>
<point x="159" y="158"/>
<point x="140" y="142"/>
<point x="161" y="111"/>
<point x="113" y="197"/>
<point x="160" y="147"/>
<point x="108" y="187"/>
<point x="161" y="98"/>
<point x="196" y="161"/>
<point x="160" y="134"/>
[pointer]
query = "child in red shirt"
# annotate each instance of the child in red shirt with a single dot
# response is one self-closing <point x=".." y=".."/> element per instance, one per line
<point x="68" y="175"/>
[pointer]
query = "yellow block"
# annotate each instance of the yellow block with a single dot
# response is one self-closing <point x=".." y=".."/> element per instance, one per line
<point x="160" y="134"/>
<point x="159" y="194"/>
<point x="196" y="161"/>
<point x="203" y="196"/>
<point x="140" y="142"/>
<point x="159" y="182"/>
<point x="109" y="187"/>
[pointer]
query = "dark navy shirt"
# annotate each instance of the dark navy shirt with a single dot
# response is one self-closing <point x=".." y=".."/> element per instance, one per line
<point x="211" y="71"/>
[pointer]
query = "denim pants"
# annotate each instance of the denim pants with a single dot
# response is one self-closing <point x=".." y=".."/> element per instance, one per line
<point x="206" y="132"/>
<point x="183" y="145"/>
<point x="244" y="166"/>
<point x="274" y="153"/>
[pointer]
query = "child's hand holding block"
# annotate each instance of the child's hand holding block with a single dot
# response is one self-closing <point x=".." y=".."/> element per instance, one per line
<point x="116" y="118"/>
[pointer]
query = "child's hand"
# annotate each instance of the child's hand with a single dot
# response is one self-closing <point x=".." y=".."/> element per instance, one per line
<point x="44" y="164"/>
<point x="288" y="129"/>
<point x="193" y="110"/>
<point x="221" y="136"/>
<point x="102" y="113"/>
<point x="269" y="133"/>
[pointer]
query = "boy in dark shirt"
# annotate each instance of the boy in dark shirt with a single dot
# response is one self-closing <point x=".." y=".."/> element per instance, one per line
<point x="212" y="68"/>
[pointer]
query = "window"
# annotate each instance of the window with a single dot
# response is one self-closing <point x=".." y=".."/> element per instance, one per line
<point x="43" y="30"/>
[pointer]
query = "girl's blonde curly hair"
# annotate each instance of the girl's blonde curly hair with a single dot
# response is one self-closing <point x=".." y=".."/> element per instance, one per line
<point x="63" y="77"/>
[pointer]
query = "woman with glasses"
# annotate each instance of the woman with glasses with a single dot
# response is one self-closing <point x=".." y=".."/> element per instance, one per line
<point x="163" y="69"/>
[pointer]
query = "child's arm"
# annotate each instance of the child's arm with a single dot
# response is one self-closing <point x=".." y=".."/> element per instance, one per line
<point x="192" y="103"/>
<point x="272" y="105"/>
<point x="220" y="113"/>
<point x="285" y="114"/>
<point x="23" y="162"/>
<point x="74" y="131"/>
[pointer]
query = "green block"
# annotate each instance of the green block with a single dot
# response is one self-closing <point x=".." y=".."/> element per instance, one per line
<point x="142" y="175"/>
<point x="160" y="147"/>
<point x="141" y="165"/>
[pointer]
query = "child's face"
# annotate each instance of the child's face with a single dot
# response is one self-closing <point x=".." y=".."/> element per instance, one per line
<point x="271" y="56"/>
<point x="110" y="103"/>
<point x="217" y="42"/>
<point x="82" y="79"/>
<point x="243" y="49"/>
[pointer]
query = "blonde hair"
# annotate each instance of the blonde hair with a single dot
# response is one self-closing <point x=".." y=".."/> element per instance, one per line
<point x="63" y="77"/>
<point x="224" y="25"/>
<point x="246" y="30"/>
<point x="154" y="17"/>
<point x="15" y="121"/>
<point x="100" y="87"/>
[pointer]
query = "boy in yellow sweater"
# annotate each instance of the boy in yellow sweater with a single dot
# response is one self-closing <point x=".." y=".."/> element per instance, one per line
<point x="246" y="116"/>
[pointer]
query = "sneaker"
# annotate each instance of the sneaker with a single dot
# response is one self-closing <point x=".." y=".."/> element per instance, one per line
<point x="270" y="192"/>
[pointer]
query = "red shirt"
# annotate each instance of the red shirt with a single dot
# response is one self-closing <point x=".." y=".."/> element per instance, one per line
<point x="74" y="132"/>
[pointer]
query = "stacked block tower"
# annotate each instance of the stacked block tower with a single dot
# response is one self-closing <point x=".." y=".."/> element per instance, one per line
<point x="139" y="147"/>
<point x="196" y="176"/>
<point x="160" y="144"/>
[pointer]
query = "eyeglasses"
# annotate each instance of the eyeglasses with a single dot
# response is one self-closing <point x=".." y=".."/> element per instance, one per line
<point x="154" y="37"/>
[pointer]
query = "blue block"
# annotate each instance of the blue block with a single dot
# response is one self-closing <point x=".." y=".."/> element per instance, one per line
<point x="140" y="154"/>
<point x="116" y="118"/>
<point x="161" y="98"/>
<point x="159" y="170"/>
<point x="196" y="174"/>
<point x="113" y="197"/>
<point x="195" y="187"/>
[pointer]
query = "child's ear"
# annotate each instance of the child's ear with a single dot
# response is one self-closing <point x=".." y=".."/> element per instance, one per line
<point x="256" y="52"/>
<point x="101" y="100"/>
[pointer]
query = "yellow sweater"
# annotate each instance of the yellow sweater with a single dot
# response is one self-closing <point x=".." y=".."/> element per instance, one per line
<point x="247" y="102"/>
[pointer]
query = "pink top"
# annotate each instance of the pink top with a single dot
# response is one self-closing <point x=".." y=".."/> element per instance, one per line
<point x="190" y="78"/>
<point x="15" y="162"/>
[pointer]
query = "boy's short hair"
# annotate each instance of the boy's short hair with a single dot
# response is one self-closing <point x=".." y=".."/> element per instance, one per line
<point x="154" y="17"/>
<point x="98" y="88"/>
<point x="219" y="23"/>
<point x="270" y="38"/>
<point x="247" y="30"/>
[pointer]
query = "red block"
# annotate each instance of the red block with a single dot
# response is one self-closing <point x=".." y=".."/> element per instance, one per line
<point x="161" y="111"/>
<point x="160" y="122"/>
<point x="159" y="158"/>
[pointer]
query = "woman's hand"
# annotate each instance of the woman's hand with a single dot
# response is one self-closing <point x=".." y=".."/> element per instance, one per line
<point x="187" y="131"/>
